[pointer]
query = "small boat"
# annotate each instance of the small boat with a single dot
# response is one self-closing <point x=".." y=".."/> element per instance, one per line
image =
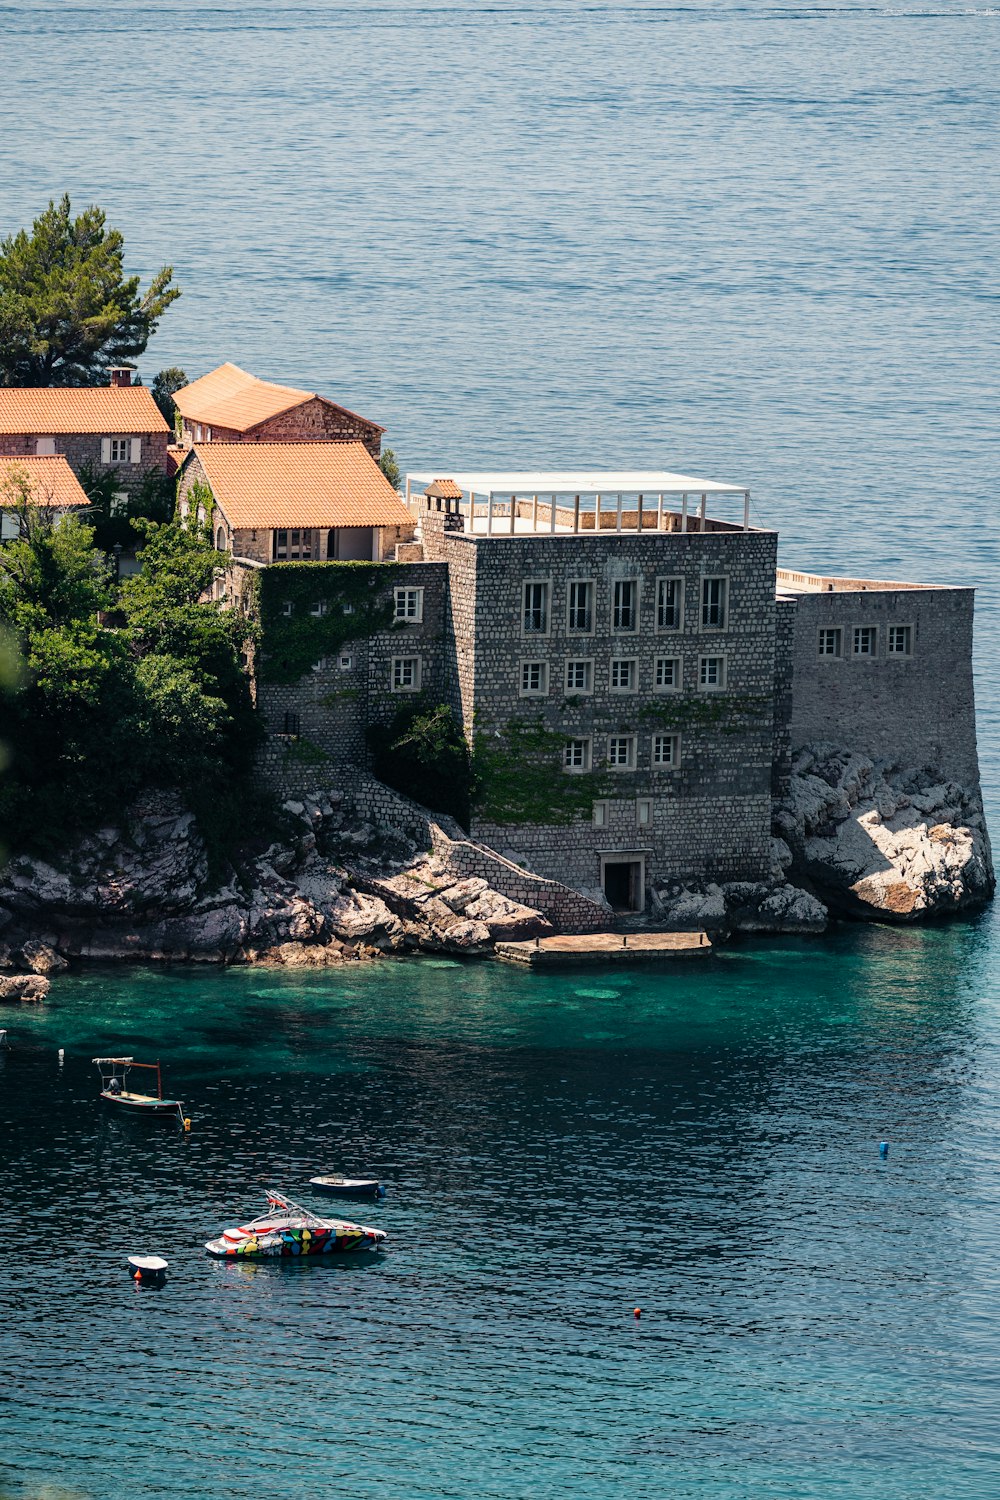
<point x="288" y="1229"/>
<point x="114" y="1073"/>
<point x="148" y="1268"/>
<point x="336" y="1186"/>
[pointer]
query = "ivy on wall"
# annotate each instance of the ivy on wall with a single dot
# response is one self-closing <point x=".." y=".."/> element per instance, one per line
<point x="311" y="609"/>
<point x="724" y="713"/>
<point x="518" y="777"/>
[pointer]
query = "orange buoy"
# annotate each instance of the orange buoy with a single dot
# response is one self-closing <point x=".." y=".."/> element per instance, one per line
<point x="637" y="1313"/>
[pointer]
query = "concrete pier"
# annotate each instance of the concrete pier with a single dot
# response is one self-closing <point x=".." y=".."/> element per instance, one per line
<point x="605" y="948"/>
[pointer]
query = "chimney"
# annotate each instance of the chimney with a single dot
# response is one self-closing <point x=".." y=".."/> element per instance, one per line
<point x="121" y="374"/>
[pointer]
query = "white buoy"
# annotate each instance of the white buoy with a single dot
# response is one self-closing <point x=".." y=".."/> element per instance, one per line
<point x="62" y="1055"/>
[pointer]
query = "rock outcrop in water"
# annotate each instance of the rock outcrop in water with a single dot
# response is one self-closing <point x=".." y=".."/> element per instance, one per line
<point x="883" y="842"/>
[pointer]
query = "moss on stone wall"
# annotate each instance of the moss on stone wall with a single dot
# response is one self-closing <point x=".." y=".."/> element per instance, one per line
<point x="310" y="610"/>
<point x="518" y="777"/>
<point x="723" y="713"/>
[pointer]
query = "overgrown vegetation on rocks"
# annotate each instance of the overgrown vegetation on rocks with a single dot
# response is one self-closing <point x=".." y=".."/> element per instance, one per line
<point x="122" y="688"/>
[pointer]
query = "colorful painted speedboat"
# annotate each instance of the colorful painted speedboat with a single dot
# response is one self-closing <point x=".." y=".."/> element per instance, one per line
<point x="287" y="1229"/>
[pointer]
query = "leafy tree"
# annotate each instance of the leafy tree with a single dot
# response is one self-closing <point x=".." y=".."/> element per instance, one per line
<point x="390" y="467"/>
<point x="68" y="312"/>
<point x="164" y="387"/>
<point x="423" y="753"/>
<point x="153" y="500"/>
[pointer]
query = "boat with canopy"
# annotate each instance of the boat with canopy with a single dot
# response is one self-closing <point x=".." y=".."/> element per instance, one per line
<point x="114" y="1073"/>
<point x="288" y="1229"/>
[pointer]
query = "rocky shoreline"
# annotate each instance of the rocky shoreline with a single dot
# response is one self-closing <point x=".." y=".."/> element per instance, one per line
<point x="853" y="838"/>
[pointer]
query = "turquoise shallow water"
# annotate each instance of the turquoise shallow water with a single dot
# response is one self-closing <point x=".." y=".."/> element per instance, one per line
<point x="757" y="241"/>
<point x="700" y="1142"/>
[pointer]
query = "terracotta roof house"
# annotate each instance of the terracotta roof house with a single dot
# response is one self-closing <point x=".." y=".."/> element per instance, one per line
<point x="50" y="482"/>
<point x="115" y="428"/>
<point x="230" y="406"/>
<point x="297" y="501"/>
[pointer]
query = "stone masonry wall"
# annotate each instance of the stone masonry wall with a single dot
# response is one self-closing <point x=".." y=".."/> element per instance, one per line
<point x="784" y="637"/>
<point x="711" y="816"/>
<point x="83" y="450"/>
<point x="310" y="422"/>
<point x="914" y="711"/>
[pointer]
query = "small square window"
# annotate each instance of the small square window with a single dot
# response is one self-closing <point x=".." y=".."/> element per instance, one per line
<point x="643" y="811"/>
<point x="621" y="752"/>
<point x="580" y="676"/>
<point x="348" y="609"/>
<point x="119" y="450"/>
<point x="600" y="814"/>
<point x="406" y="674"/>
<point x="666" y="752"/>
<point x="410" y="606"/>
<point x="321" y="665"/>
<point x="831" y="641"/>
<point x="713" y="603"/>
<point x="318" y="608"/>
<point x="711" y="673"/>
<point x="577" y="755"/>
<point x="287" y="607"/>
<point x="119" y="503"/>
<point x="667" y="674"/>
<point x="900" y="640"/>
<point x="865" y="640"/>
<point x="624" y="674"/>
<point x="625" y="605"/>
<point x="346" y="663"/>
<point x="669" y="603"/>
<point x="534" y="679"/>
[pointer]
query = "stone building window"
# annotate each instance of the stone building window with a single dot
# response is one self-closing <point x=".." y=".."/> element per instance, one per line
<point x="536" y="608"/>
<point x="291" y="726"/>
<point x="580" y="676"/>
<point x="667" y="676"/>
<point x="669" y="603"/>
<point x="625" y="604"/>
<point x="119" y="504"/>
<point x="713" y="603"/>
<point x="410" y="606"/>
<point x="831" y="641"/>
<point x="865" y="640"/>
<point x="624" y="674"/>
<point x="321" y="665"/>
<point x="118" y="450"/>
<point x="711" y="673"/>
<point x="287" y="607"/>
<point x="600" y="814"/>
<point x="621" y="752"/>
<point x="666" y="752"/>
<point x="346" y="663"/>
<point x="534" y="679"/>
<point x="643" y="811"/>
<point x="580" y="607"/>
<point x="900" y="640"/>
<point x="318" y="609"/>
<point x="301" y="545"/>
<point x="577" y="755"/>
<point x="406" y="674"/>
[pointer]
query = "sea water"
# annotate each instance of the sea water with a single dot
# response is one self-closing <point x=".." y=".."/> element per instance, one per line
<point x="754" y="241"/>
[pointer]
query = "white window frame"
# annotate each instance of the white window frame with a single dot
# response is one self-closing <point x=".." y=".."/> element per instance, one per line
<point x="673" y="739"/>
<point x="546" y="585"/>
<point x="45" y="447"/>
<point x="835" y="630"/>
<point x="677" y="579"/>
<point x="712" y="687"/>
<point x="345" y="663"/>
<point x="600" y="814"/>
<point x="287" y="607"/>
<point x="678" y="683"/>
<point x="321" y="665"/>
<point x="579" y="661"/>
<point x="643" y="812"/>
<point x="395" y="679"/>
<point x="586" y="753"/>
<point x="629" y="764"/>
<point x="617" y="629"/>
<point x="723" y="606"/>
<point x="318" y="608"/>
<point x="119" y="450"/>
<point x="632" y="674"/>
<point x="588" y="584"/>
<point x="119" y="503"/>
<point x="405" y="598"/>
<point x="523" y="667"/>
<point x="855" y="633"/>
<point x="899" y="655"/>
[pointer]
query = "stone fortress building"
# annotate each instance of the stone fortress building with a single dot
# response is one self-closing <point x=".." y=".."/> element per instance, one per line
<point x="633" y="672"/>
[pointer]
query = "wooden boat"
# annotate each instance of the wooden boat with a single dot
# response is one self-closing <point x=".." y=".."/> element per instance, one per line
<point x="114" y="1073"/>
<point x="288" y="1230"/>
<point x="336" y="1186"/>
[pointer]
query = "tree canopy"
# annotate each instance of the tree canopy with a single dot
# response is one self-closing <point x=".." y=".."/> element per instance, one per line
<point x="68" y="312"/>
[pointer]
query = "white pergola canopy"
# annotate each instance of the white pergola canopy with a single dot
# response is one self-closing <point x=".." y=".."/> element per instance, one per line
<point x="582" y="482"/>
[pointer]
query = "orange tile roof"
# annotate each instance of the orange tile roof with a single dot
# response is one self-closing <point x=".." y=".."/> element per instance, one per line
<point x="444" y="489"/>
<point x="108" y="409"/>
<point x="51" y="479"/>
<point x="229" y="397"/>
<point x="300" y="484"/>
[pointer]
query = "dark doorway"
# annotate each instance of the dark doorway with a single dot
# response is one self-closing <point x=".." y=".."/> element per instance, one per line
<point x="623" y="884"/>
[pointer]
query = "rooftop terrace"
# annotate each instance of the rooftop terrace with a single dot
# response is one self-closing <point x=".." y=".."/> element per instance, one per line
<point x="570" y="502"/>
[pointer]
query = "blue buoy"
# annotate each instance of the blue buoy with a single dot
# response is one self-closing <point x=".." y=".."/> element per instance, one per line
<point x="883" y="1149"/>
<point x="380" y="1193"/>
